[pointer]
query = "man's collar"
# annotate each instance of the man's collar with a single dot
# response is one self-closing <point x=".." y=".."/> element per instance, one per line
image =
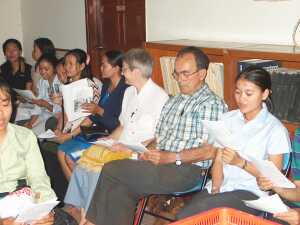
<point x="202" y="89"/>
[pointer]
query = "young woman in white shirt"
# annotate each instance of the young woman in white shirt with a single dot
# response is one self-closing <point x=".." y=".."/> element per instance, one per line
<point x="257" y="134"/>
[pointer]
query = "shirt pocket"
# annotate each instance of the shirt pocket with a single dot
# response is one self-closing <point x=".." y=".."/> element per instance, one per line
<point x="190" y="126"/>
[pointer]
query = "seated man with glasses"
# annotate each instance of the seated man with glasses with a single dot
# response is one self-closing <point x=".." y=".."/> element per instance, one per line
<point x="180" y="154"/>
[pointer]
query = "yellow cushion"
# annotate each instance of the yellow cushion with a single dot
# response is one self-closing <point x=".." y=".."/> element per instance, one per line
<point x="97" y="155"/>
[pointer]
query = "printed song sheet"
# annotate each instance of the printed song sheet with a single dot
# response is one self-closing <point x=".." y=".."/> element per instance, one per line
<point x="74" y="95"/>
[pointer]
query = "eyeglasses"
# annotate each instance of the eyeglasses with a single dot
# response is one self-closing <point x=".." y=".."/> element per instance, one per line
<point x="185" y="74"/>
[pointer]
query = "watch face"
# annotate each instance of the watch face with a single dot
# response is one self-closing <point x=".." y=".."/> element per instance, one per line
<point x="178" y="162"/>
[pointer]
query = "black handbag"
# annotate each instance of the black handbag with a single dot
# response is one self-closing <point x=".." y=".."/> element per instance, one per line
<point x="93" y="132"/>
<point x="63" y="218"/>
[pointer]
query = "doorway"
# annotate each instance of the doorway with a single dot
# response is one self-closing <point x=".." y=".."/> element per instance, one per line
<point x="113" y="25"/>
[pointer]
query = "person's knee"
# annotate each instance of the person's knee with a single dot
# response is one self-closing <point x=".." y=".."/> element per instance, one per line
<point x="113" y="168"/>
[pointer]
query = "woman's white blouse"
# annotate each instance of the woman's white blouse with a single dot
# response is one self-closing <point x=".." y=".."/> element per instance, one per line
<point x="263" y="136"/>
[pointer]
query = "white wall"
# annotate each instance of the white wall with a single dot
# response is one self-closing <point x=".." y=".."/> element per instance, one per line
<point x="10" y="22"/>
<point x="63" y="21"/>
<point x="224" y="20"/>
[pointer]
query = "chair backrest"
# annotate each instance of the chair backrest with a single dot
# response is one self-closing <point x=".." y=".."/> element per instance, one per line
<point x="287" y="163"/>
<point x="214" y="77"/>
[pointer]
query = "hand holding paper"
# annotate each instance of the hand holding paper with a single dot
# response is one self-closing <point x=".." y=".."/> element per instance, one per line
<point x="270" y="204"/>
<point x="49" y="134"/>
<point x="27" y="94"/>
<point x="270" y="171"/>
<point x="136" y="147"/>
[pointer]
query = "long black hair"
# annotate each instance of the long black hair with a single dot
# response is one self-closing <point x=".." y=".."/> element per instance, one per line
<point x="114" y="58"/>
<point x="81" y="57"/>
<point x="45" y="45"/>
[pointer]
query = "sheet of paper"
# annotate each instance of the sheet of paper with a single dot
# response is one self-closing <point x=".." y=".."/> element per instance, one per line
<point x="36" y="211"/>
<point x="219" y="134"/>
<point x="74" y="95"/>
<point x="271" y="204"/>
<point x="49" y="134"/>
<point x="136" y="147"/>
<point x="107" y="142"/>
<point x="13" y="204"/>
<point x="76" y="155"/>
<point x="24" y="111"/>
<point x="270" y="171"/>
<point x="25" y="94"/>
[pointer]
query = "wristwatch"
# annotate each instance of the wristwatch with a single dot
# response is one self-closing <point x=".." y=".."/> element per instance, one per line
<point x="178" y="159"/>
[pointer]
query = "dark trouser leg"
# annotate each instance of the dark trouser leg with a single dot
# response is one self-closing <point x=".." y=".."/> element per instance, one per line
<point x="122" y="183"/>
<point x="203" y="201"/>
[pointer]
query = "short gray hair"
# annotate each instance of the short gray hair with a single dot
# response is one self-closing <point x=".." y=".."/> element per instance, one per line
<point x="140" y="59"/>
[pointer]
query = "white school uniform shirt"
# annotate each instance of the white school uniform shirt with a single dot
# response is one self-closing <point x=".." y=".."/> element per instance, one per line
<point x="263" y="136"/>
<point x="141" y="111"/>
<point x="43" y="88"/>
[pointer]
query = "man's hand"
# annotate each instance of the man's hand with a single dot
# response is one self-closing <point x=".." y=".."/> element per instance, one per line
<point x="158" y="157"/>
<point x="231" y="157"/>
<point x="92" y="108"/>
<point x="291" y="216"/>
<point x="46" y="220"/>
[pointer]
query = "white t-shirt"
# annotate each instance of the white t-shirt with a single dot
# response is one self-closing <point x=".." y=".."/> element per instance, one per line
<point x="263" y="136"/>
<point x="140" y="112"/>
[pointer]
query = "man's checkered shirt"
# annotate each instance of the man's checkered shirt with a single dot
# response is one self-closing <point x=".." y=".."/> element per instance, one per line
<point x="179" y="126"/>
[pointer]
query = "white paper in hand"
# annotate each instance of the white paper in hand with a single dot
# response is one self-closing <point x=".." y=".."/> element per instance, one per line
<point x="36" y="211"/>
<point x="107" y="142"/>
<point x="219" y="134"/>
<point x="270" y="171"/>
<point x="27" y="94"/>
<point x="74" y="95"/>
<point x="270" y="204"/>
<point x="47" y="135"/>
<point x="136" y="147"/>
<point x="13" y="204"/>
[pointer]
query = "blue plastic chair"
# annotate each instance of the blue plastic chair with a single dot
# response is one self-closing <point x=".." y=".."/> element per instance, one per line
<point x="141" y="208"/>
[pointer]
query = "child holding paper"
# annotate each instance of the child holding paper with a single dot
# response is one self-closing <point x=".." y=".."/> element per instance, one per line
<point x="49" y="84"/>
<point x="257" y="134"/>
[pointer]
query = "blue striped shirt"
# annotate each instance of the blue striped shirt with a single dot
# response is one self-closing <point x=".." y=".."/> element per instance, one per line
<point x="179" y="126"/>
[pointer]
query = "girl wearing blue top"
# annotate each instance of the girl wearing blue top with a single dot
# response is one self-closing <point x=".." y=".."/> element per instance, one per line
<point x="257" y="134"/>
<point x="104" y="114"/>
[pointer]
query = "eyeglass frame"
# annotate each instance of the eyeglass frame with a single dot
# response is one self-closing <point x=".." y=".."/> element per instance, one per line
<point x="175" y="75"/>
